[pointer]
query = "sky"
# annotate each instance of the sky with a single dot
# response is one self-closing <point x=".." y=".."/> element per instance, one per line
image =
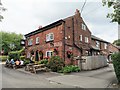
<point x="24" y="16"/>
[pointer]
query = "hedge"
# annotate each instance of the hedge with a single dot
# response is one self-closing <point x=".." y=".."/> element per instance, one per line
<point x="116" y="64"/>
<point x="3" y="58"/>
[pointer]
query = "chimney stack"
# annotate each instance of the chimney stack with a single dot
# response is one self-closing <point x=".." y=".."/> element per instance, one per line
<point x="40" y="27"/>
<point x="77" y="12"/>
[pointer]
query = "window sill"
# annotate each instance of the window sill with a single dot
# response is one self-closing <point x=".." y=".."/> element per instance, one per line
<point x="37" y="43"/>
<point x="29" y="45"/>
<point x="49" y="41"/>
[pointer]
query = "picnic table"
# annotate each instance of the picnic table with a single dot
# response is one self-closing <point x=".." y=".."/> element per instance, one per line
<point x="39" y="67"/>
<point x="28" y="67"/>
<point x="35" y="67"/>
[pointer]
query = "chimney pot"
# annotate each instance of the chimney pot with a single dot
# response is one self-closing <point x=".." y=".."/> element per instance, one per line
<point x="77" y="12"/>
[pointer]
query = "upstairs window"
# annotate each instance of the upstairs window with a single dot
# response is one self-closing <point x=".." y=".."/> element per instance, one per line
<point x="86" y="39"/>
<point x="49" y="37"/>
<point x="83" y="26"/>
<point x="80" y="37"/>
<point x="105" y="45"/>
<point x="37" y="40"/>
<point x="30" y="42"/>
<point x="97" y="44"/>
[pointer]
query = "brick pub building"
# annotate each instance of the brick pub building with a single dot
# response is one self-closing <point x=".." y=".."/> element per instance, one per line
<point x="66" y="38"/>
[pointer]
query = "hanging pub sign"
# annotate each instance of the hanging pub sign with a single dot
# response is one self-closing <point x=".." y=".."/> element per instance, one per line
<point x="22" y="42"/>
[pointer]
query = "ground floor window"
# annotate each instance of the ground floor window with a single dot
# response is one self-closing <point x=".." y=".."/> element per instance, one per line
<point x="49" y="53"/>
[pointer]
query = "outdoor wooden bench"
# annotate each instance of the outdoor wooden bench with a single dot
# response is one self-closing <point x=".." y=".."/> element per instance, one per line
<point x="40" y="67"/>
<point x="28" y="67"/>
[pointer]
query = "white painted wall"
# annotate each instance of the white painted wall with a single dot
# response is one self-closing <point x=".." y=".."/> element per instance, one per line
<point x="94" y="62"/>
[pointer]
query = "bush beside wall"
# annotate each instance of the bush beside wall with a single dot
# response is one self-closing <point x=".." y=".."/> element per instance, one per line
<point x="56" y="63"/>
<point x="116" y="63"/>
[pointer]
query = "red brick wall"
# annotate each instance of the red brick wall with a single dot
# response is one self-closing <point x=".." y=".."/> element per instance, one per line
<point x="112" y="48"/>
<point x="77" y="21"/>
<point x="71" y="23"/>
<point x="46" y="46"/>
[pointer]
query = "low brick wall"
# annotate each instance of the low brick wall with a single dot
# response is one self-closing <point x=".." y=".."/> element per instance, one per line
<point x="93" y="62"/>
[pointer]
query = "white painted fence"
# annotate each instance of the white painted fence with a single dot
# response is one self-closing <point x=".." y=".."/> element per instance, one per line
<point x="93" y="62"/>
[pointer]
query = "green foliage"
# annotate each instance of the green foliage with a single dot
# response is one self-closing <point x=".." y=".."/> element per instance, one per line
<point x="15" y="54"/>
<point x="116" y="63"/>
<point x="26" y="62"/>
<point x="10" y="41"/>
<point x="3" y="58"/>
<point x="1" y="10"/>
<point x="117" y="42"/>
<point x="55" y="63"/>
<point x="22" y="57"/>
<point x="44" y="61"/>
<point x="71" y="68"/>
<point x="115" y="15"/>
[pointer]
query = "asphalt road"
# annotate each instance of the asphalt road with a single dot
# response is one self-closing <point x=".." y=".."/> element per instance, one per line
<point x="18" y="79"/>
<point x="14" y="79"/>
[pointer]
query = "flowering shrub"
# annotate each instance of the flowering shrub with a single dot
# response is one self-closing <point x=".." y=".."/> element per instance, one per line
<point x="56" y="51"/>
<point x="56" y="63"/>
<point x="69" y="54"/>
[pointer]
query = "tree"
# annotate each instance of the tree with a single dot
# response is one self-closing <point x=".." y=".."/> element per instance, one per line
<point x="10" y="41"/>
<point x="115" y="4"/>
<point x="117" y="42"/>
<point x="1" y="10"/>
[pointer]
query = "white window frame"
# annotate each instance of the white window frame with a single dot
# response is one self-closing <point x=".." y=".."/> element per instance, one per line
<point x="97" y="44"/>
<point x="86" y="39"/>
<point x="84" y="26"/>
<point x="37" y="40"/>
<point x="105" y="45"/>
<point x="30" y="42"/>
<point x="49" y="54"/>
<point x="48" y="37"/>
<point x="80" y="37"/>
<point x="52" y="36"/>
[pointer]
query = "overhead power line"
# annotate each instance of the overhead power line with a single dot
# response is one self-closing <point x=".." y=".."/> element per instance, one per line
<point x="83" y="6"/>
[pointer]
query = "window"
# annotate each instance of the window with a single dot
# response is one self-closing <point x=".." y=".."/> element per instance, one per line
<point x="37" y="40"/>
<point x="86" y="39"/>
<point x="105" y="45"/>
<point x="83" y="26"/>
<point x="49" y="53"/>
<point x="97" y="44"/>
<point x="49" y="37"/>
<point x="80" y="37"/>
<point x="30" y="42"/>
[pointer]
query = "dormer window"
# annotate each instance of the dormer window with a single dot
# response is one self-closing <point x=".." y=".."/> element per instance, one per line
<point x="37" y="40"/>
<point x="49" y="37"/>
<point x="83" y="26"/>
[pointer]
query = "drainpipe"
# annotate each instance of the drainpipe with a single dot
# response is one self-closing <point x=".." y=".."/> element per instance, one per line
<point x="74" y="41"/>
<point x="64" y="40"/>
